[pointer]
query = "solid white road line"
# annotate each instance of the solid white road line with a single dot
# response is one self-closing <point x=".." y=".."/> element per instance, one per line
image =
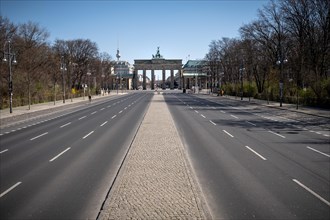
<point x="114" y="116"/>
<point x="88" y="134"/>
<point x="65" y="125"/>
<point x="54" y="158"/>
<point x="312" y="192"/>
<point x="234" y="116"/>
<point x="3" y="151"/>
<point x="327" y="155"/>
<point x="213" y="122"/>
<point x="82" y="117"/>
<point x="10" y="189"/>
<point x="259" y="155"/>
<point x="203" y="116"/>
<point x="38" y="136"/>
<point x="276" y="134"/>
<point x="227" y="133"/>
<point x="103" y="123"/>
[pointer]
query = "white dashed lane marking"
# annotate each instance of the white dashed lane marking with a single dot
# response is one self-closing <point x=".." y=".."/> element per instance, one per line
<point x="38" y="136"/>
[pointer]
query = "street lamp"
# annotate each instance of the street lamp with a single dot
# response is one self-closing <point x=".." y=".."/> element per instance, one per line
<point x="11" y="59"/>
<point x="117" y="78"/>
<point x="89" y="84"/>
<point x="102" y="89"/>
<point x="241" y="76"/>
<point x="280" y="62"/>
<point x="63" y="68"/>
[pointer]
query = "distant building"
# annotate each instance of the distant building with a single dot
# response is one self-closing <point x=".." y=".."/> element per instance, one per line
<point x="194" y="74"/>
<point x="122" y="74"/>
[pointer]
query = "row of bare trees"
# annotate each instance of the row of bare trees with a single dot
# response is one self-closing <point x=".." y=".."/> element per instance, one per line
<point x="37" y="76"/>
<point x="287" y="46"/>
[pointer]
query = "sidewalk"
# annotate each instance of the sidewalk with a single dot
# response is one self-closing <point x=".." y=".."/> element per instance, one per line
<point x="286" y="106"/>
<point x="272" y="104"/>
<point x="21" y="110"/>
<point x="156" y="180"/>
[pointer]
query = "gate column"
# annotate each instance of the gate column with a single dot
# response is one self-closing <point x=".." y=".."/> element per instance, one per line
<point x="164" y="86"/>
<point x="144" y="84"/>
<point x="152" y="79"/>
<point x="172" y="79"/>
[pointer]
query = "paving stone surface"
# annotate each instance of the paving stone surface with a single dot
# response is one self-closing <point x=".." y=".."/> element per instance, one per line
<point x="156" y="180"/>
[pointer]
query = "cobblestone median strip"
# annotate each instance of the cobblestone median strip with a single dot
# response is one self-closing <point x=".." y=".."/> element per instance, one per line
<point x="156" y="181"/>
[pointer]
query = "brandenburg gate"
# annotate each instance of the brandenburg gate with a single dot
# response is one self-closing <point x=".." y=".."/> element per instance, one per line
<point x="156" y="63"/>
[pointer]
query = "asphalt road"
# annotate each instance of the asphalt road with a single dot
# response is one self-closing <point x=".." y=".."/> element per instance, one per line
<point x="254" y="162"/>
<point x="62" y="167"/>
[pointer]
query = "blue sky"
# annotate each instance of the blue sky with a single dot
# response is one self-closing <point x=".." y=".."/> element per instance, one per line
<point x="179" y="28"/>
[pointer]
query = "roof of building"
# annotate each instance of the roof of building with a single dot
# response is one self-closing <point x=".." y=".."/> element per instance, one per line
<point x="195" y="64"/>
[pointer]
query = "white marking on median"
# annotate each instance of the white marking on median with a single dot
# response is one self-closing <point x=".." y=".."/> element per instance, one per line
<point x="276" y="134"/>
<point x="65" y="125"/>
<point x="54" y="158"/>
<point x="3" y="151"/>
<point x="311" y="191"/>
<point x="10" y="189"/>
<point x="228" y="133"/>
<point x="327" y="155"/>
<point x="212" y="122"/>
<point x="259" y="155"/>
<point x="38" y="136"/>
<point x="203" y="116"/>
<point x="88" y="134"/>
<point x="103" y="123"/>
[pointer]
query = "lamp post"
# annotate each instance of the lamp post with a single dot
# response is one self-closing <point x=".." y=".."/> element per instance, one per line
<point x="280" y="62"/>
<point x="63" y="68"/>
<point x="102" y="89"/>
<point x="89" y="84"/>
<point x="241" y="76"/>
<point x="11" y="59"/>
<point x="117" y="78"/>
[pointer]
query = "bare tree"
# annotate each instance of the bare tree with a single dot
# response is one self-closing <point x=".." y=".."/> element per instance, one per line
<point x="7" y="32"/>
<point x="32" y="50"/>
